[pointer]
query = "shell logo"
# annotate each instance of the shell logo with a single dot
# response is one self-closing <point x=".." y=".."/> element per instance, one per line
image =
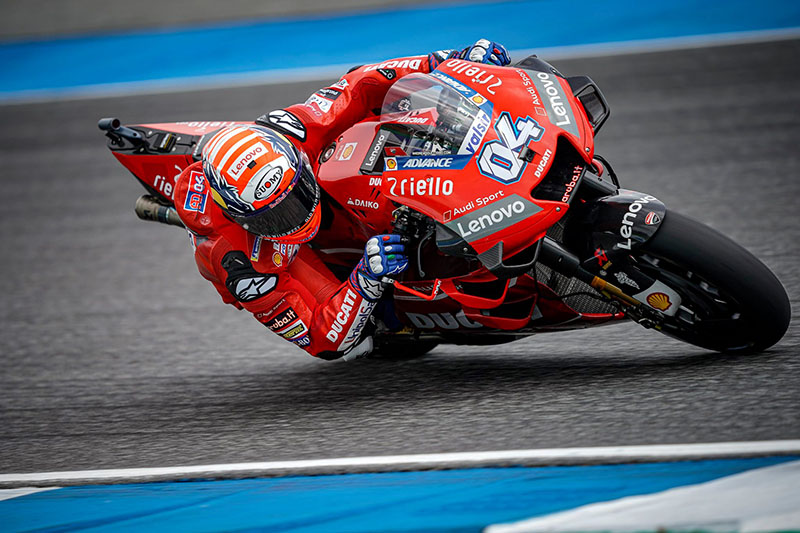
<point x="659" y="300"/>
<point x="478" y="99"/>
<point x="277" y="258"/>
<point x="391" y="164"/>
<point x="348" y="151"/>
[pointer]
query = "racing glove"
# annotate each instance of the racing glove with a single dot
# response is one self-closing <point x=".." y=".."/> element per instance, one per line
<point x="384" y="255"/>
<point x="486" y="51"/>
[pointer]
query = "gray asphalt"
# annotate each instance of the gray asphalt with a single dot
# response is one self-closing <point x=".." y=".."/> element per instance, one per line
<point x="116" y="353"/>
<point x="43" y="19"/>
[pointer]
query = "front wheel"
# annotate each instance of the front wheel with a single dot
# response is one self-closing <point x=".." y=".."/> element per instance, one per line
<point x="731" y="302"/>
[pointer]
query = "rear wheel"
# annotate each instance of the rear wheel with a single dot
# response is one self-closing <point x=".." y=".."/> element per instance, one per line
<point x="731" y="302"/>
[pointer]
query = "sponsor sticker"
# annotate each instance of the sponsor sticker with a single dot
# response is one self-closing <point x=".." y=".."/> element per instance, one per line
<point x="626" y="227"/>
<point x="475" y="134"/>
<point x="659" y="300"/>
<point x="347" y="152"/>
<point x="256" y="250"/>
<point x="477" y="74"/>
<point x="196" y="202"/>
<point x="295" y="330"/>
<point x="203" y="126"/>
<point x="323" y="104"/>
<point x="357" y="202"/>
<point x="472" y="204"/>
<point x="428" y="186"/>
<point x="282" y="319"/>
<point x="452" y="162"/>
<point x="492" y="218"/>
<point x="660" y="297"/>
<point x="374" y="152"/>
<point x="652" y="218"/>
<point x="246" y="160"/>
<point x="555" y="99"/>
<point x="330" y="94"/>
<point x="410" y="63"/>
<point x="302" y="342"/>
<point x="624" y="279"/>
<point x="283" y="254"/>
<point x="197" y="195"/>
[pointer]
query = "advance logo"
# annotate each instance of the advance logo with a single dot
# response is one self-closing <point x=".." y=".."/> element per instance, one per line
<point x="494" y="217"/>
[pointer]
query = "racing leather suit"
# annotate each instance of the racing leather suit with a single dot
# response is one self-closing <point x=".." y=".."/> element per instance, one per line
<point x="287" y="287"/>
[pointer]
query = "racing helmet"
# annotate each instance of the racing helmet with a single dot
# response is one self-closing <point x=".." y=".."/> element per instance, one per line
<point x="265" y="184"/>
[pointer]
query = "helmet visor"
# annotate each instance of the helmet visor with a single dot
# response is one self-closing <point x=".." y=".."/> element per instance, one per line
<point x="288" y="214"/>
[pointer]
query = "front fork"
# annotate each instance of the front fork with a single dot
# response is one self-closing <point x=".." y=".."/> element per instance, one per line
<point x="605" y="230"/>
<point x="554" y="256"/>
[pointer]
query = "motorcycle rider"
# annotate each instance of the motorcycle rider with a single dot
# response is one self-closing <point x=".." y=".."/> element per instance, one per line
<point x="249" y="237"/>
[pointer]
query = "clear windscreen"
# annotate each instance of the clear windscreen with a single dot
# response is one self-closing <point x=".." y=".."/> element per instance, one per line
<point x="435" y="118"/>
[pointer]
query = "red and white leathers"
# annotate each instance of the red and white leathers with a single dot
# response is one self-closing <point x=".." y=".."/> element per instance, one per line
<point x="286" y="286"/>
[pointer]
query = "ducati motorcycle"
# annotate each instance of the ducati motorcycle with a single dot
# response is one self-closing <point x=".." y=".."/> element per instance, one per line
<point x="515" y="225"/>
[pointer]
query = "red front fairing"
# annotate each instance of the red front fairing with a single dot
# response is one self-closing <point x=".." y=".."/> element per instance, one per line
<point x="364" y="176"/>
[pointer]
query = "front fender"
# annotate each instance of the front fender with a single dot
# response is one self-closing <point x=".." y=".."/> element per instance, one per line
<point x="614" y="225"/>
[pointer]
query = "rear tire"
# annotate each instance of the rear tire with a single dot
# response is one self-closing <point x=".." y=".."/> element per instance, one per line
<point x="731" y="302"/>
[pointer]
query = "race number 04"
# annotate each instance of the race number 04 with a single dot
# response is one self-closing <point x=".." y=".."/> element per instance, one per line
<point x="499" y="159"/>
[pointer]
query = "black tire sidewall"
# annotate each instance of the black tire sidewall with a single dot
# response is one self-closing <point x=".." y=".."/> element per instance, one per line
<point x="763" y="301"/>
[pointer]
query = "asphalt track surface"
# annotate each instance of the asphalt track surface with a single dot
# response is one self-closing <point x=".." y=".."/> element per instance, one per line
<point x="117" y="354"/>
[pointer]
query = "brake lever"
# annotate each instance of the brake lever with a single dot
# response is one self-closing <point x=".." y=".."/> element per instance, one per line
<point x="405" y="288"/>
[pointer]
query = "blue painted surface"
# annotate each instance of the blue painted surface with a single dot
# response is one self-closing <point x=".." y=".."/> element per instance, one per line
<point x="276" y="45"/>
<point x="455" y="500"/>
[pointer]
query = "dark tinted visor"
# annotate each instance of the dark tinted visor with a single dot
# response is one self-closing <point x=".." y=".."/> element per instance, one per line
<point x="290" y="213"/>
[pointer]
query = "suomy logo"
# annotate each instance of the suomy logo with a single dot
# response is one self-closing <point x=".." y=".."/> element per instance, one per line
<point x="268" y="183"/>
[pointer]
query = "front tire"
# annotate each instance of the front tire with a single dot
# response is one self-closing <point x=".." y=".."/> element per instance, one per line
<point x="731" y="302"/>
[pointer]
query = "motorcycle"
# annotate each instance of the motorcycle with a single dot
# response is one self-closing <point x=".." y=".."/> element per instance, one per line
<point x="515" y="225"/>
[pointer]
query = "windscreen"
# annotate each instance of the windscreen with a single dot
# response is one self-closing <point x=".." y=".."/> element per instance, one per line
<point x="439" y="119"/>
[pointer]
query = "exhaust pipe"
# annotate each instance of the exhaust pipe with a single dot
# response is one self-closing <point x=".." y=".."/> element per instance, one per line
<point x="149" y="208"/>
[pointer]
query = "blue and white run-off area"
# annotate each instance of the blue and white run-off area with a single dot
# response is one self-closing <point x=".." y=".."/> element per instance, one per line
<point x="734" y="486"/>
<point x="320" y="47"/>
<point x="743" y="494"/>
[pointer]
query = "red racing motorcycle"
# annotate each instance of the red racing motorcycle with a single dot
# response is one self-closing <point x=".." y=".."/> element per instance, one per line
<point x="515" y="225"/>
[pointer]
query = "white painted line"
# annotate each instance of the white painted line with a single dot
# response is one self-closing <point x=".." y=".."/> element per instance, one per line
<point x="333" y="72"/>
<point x="390" y="463"/>
<point x="763" y="499"/>
<point x="7" y="494"/>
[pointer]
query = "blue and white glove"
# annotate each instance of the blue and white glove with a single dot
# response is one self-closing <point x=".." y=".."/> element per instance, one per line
<point x="384" y="255"/>
<point x="486" y="51"/>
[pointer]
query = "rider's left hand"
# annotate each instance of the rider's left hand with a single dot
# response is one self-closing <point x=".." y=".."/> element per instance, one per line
<point x="486" y="51"/>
